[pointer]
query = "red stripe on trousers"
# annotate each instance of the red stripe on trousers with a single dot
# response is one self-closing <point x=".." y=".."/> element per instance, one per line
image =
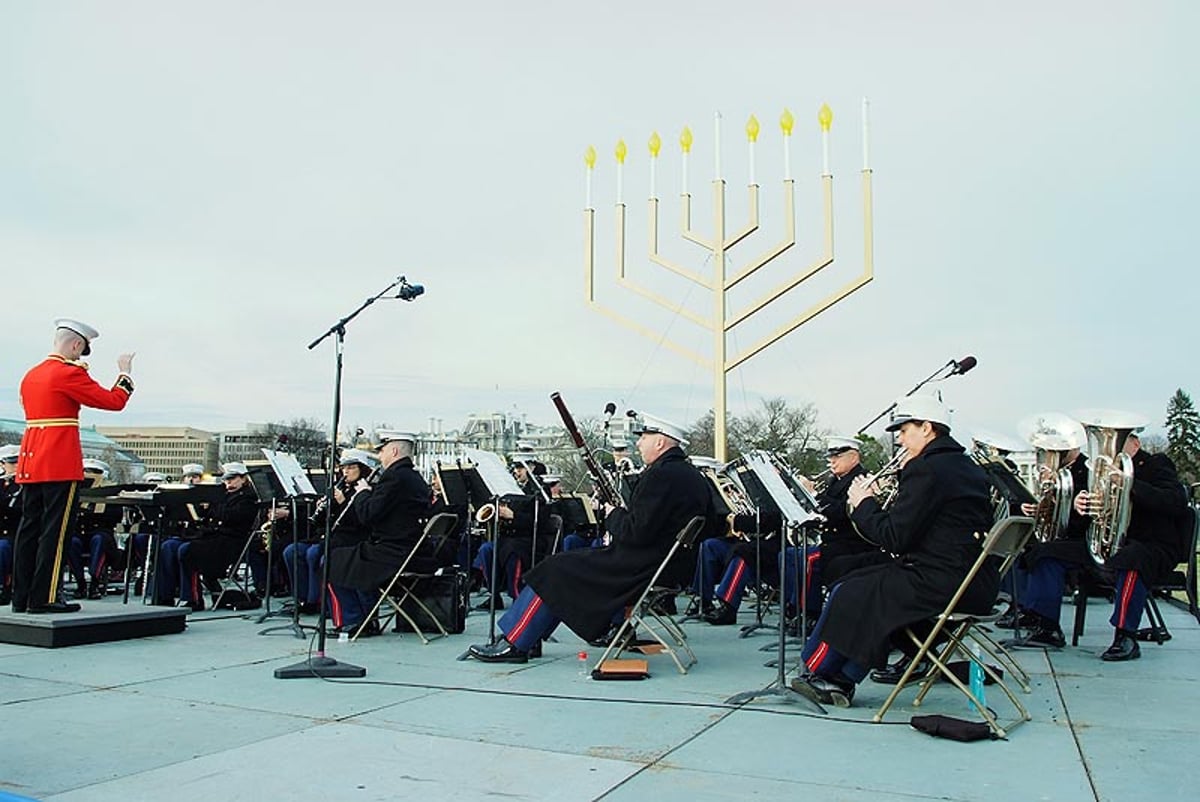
<point x="818" y="657"/>
<point x="1126" y="593"/>
<point x="515" y="633"/>
<point x="737" y="579"/>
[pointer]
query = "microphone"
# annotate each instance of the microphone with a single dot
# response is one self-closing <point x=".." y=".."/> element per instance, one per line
<point x="609" y="409"/>
<point x="963" y="365"/>
<point x="410" y="291"/>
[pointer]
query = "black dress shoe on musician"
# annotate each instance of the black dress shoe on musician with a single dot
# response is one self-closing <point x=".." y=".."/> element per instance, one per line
<point x="1124" y="647"/>
<point x="895" y="671"/>
<point x="722" y="615"/>
<point x="1145" y="634"/>
<point x="1010" y="620"/>
<point x="55" y="607"/>
<point x="499" y="652"/>
<point x="824" y="690"/>
<point x="698" y="608"/>
<point x="1041" y="637"/>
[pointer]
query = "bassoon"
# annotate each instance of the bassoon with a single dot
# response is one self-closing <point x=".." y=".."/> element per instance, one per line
<point x="605" y="489"/>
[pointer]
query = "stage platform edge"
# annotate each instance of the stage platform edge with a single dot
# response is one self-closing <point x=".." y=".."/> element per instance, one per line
<point x="101" y="624"/>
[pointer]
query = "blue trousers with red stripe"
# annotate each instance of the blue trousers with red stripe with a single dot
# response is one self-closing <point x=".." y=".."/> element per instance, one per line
<point x="1130" y="601"/>
<point x="348" y="607"/>
<point x="825" y="661"/>
<point x="511" y="569"/>
<point x="528" y="621"/>
<point x="740" y="573"/>
<point x="711" y="563"/>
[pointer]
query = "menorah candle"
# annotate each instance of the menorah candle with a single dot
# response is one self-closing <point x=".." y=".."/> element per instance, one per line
<point x="653" y="162"/>
<point x="717" y="147"/>
<point x="751" y="157"/>
<point x="825" y="152"/>
<point x="866" y="143"/>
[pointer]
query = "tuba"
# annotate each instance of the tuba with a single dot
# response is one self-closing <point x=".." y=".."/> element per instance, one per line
<point x="1111" y="479"/>
<point x="1053" y="436"/>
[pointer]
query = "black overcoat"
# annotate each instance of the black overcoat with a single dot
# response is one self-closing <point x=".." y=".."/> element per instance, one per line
<point x="395" y="511"/>
<point x="586" y="587"/>
<point x="934" y="526"/>
<point x="1159" y="531"/>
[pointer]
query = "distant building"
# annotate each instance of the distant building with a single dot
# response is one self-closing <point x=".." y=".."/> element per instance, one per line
<point x="166" y="449"/>
<point x="124" y="465"/>
<point x="244" y="444"/>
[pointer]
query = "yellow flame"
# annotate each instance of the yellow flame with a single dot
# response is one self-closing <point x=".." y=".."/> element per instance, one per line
<point x="621" y="151"/>
<point x="752" y="128"/>
<point x="825" y="116"/>
<point x="685" y="139"/>
<point x="655" y="145"/>
<point x="589" y="157"/>
<point x="786" y="121"/>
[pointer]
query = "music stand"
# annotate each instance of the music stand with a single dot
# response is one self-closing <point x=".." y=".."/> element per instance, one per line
<point x="177" y="504"/>
<point x="321" y="665"/>
<point x="488" y="480"/>
<point x="796" y="508"/>
<point x="295" y="483"/>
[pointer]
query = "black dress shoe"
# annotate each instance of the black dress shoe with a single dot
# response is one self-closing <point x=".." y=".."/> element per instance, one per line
<point x="1145" y="634"/>
<point x="499" y="652"/>
<point x="55" y="607"/>
<point x="698" y="609"/>
<point x="892" y="674"/>
<point x="824" y="690"/>
<point x="1027" y="619"/>
<point x="722" y="615"/>
<point x="1041" y="637"/>
<point x="1124" y="647"/>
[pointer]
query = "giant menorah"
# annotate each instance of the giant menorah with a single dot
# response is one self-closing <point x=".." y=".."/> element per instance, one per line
<point x="719" y="244"/>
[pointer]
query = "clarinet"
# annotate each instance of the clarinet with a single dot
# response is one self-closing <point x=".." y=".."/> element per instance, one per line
<point x="604" y="487"/>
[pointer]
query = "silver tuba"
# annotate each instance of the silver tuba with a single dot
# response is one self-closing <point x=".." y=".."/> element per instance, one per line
<point x="1053" y="435"/>
<point x="1111" y="478"/>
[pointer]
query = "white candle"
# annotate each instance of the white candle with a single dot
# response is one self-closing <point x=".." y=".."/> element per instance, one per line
<point x="653" y="162"/>
<point x="866" y="143"/>
<point x="620" y="181"/>
<point x="683" y="182"/>
<point x="588" y="201"/>
<point x="752" y="181"/>
<point x="717" y="147"/>
<point x="825" y="153"/>
<point x="787" y="158"/>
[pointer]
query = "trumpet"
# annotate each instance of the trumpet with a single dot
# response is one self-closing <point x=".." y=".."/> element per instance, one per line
<point x="886" y="480"/>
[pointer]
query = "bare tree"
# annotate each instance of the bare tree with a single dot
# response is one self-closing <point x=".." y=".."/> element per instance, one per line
<point x="306" y="438"/>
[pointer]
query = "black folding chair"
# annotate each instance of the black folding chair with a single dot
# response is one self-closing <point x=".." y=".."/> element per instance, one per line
<point x="652" y="617"/>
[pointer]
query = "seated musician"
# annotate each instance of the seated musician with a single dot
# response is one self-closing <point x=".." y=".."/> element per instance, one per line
<point x="175" y="532"/>
<point x="585" y="588"/>
<point x="838" y="541"/>
<point x="526" y="533"/>
<point x="303" y="560"/>
<point x="1156" y="540"/>
<point x="1039" y="615"/>
<point x="209" y="557"/>
<point x="10" y="516"/>
<point x="934" y="525"/>
<point x="93" y="536"/>
<point x="395" y="510"/>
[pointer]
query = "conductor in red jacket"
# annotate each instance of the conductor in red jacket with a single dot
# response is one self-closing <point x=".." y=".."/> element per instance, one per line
<point x="50" y="465"/>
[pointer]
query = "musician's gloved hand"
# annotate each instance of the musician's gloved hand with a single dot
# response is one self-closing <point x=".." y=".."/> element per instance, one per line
<point x="362" y="484"/>
<point x="1029" y="509"/>
<point x="1081" y="503"/>
<point x="860" y="489"/>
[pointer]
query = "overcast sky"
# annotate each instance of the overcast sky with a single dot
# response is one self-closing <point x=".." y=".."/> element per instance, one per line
<point x="214" y="185"/>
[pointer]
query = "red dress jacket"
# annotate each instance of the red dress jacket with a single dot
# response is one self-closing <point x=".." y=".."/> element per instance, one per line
<point x="52" y="393"/>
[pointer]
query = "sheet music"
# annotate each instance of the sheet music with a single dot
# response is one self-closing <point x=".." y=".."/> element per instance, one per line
<point x="790" y="507"/>
<point x="291" y="475"/>
<point x="494" y="472"/>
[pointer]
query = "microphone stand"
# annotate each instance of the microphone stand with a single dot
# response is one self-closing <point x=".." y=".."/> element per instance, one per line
<point x="952" y="365"/>
<point x="320" y="665"/>
<point x="779" y="689"/>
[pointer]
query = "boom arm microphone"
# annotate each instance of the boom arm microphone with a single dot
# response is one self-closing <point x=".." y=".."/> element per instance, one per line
<point x="409" y="291"/>
<point x="963" y="365"/>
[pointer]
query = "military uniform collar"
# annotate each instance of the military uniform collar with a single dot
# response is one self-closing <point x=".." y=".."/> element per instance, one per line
<point x="79" y="363"/>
